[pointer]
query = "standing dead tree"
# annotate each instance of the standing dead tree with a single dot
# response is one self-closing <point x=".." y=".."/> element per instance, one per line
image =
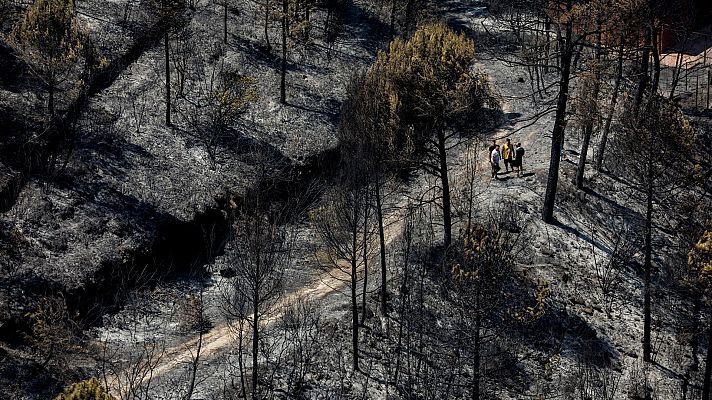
<point x="567" y="47"/>
<point x="212" y="106"/>
<point x="302" y="324"/>
<point x="261" y="250"/>
<point x="127" y="368"/>
<point x="480" y="277"/>
<point x="340" y="226"/>
<point x="649" y="150"/>
<point x="283" y="68"/>
<point x="363" y="138"/>
<point x="54" y="332"/>
<point x="168" y="11"/>
<point x="193" y="319"/>
<point x="700" y="260"/>
<point x="587" y="115"/>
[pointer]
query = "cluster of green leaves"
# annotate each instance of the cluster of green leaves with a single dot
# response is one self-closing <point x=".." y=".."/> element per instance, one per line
<point x="700" y="257"/>
<point x="235" y="93"/>
<point x="429" y="83"/>
<point x="89" y="389"/>
<point x="482" y="268"/>
<point x="49" y="40"/>
<point x="48" y="35"/>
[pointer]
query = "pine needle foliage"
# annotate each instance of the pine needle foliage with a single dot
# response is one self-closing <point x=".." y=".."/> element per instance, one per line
<point x="48" y="39"/>
<point x="700" y="257"/>
<point x="89" y="389"/>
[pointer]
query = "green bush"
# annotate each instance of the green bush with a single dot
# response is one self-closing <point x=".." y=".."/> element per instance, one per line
<point x="89" y="389"/>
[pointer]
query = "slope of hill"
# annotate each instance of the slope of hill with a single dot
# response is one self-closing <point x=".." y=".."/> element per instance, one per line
<point x="135" y="228"/>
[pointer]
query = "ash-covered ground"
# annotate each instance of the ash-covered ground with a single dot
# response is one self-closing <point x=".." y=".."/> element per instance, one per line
<point x="135" y="226"/>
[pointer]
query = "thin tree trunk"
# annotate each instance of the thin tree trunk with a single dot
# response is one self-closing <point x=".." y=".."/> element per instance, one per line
<point x="354" y="305"/>
<point x="547" y="47"/>
<point x="240" y="361"/>
<point x="656" y="61"/>
<point x="678" y="65"/>
<point x="612" y="108"/>
<point x="408" y="14"/>
<point x="365" y="257"/>
<point x="403" y="294"/>
<point x="168" y="81"/>
<point x="557" y="138"/>
<point x="581" y="167"/>
<point x="644" y="67"/>
<point x="392" y="20"/>
<point x="225" y="21"/>
<point x="50" y="102"/>
<point x="647" y="350"/>
<point x="283" y="80"/>
<point x="588" y="127"/>
<point x="266" y="27"/>
<point x="476" y="347"/>
<point x="196" y="361"/>
<point x="382" y="245"/>
<point x="445" y="183"/>
<point x="255" y="334"/>
<point x="708" y="367"/>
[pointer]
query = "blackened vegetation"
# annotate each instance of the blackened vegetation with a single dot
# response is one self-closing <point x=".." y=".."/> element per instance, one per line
<point x="460" y="317"/>
<point x="35" y="147"/>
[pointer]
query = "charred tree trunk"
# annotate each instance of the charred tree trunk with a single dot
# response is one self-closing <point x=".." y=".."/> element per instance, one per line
<point x="266" y="27"/>
<point x="647" y="349"/>
<point x="581" y="167"/>
<point x="354" y="300"/>
<point x="656" y="60"/>
<point x="557" y="138"/>
<point x="365" y="257"/>
<point x="612" y="108"/>
<point x="225" y="21"/>
<point x="241" y="363"/>
<point x="476" y="376"/>
<point x="382" y="245"/>
<point x="408" y="16"/>
<point x="196" y="360"/>
<point x="168" y="81"/>
<point x="255" y="332"/>
<point x="588" y="127"/>
<point x="708" y="367"/>
<point x="50" y="101"/>
<point x="678" y="64"/>
<point x="444" y="181"/>
<point x="547" y="46"/>
<point x="392" y="20"/>
<point x="644" y="67"/>
<point x="285" y="28"/>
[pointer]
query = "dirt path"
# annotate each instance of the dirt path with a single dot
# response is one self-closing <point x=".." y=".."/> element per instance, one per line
<point x="223" y="336"/>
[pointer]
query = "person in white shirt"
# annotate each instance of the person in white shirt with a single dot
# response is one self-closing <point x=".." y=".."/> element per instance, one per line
<point x="494" y="161"/>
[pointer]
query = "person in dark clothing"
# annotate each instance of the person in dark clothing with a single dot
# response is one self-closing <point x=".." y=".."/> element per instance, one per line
<point x="489" y="151"/>
<point x="518" y="159"/>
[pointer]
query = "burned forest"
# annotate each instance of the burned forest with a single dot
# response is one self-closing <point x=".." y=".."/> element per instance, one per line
<point x="355" y="199"/>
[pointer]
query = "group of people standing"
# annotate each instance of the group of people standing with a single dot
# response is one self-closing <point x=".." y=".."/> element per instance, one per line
<point x="509" y="154"/>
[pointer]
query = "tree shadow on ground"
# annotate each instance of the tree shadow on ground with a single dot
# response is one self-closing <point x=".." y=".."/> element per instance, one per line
<point x="13" y="72"/>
